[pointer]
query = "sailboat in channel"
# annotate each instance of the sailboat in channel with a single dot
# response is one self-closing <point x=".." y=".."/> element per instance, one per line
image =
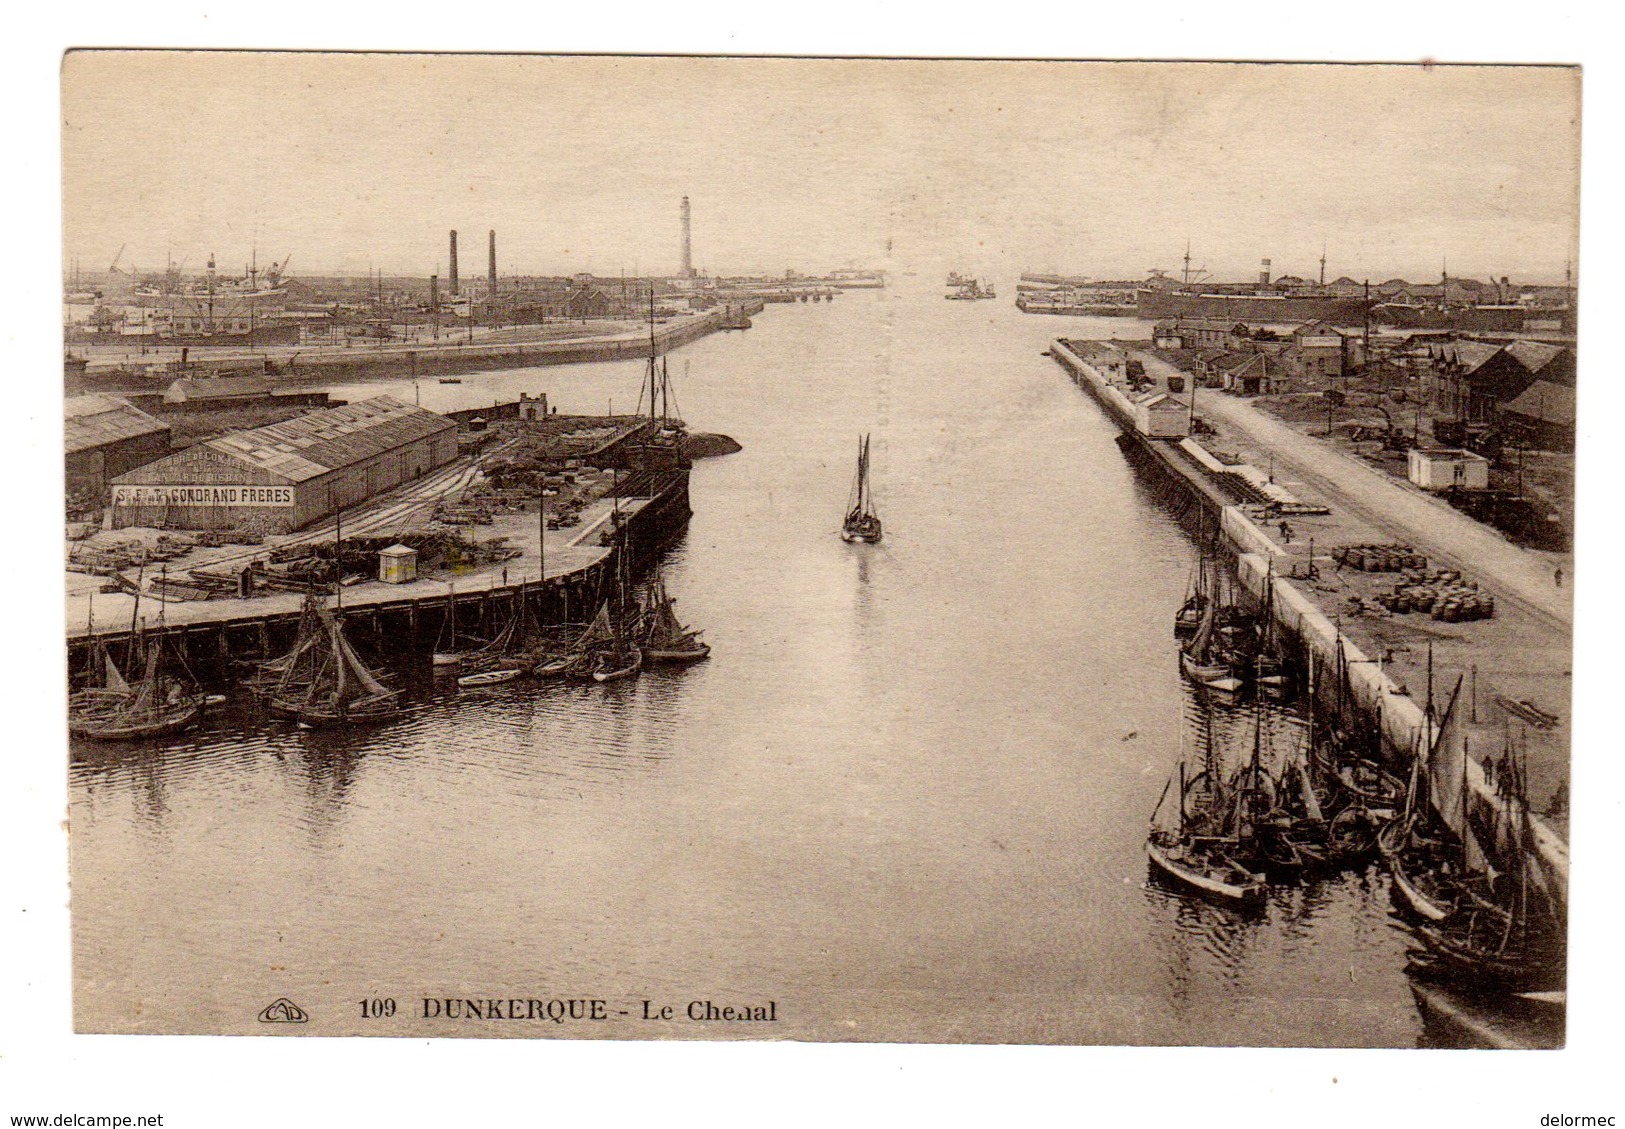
<point x="862" y="522"/>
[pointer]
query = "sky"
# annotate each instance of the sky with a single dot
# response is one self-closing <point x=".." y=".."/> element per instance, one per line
<point x="352" y="162"/>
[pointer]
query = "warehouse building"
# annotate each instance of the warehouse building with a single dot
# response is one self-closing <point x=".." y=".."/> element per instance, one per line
<point x="284" y="476"/>
<point x="105" y="437"/>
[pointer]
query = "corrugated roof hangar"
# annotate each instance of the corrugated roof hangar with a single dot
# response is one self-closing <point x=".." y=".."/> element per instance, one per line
<point x="286" y="475"/>
<point x="105" y="437"/>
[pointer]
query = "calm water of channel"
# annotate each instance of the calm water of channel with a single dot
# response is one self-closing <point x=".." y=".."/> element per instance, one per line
<point x="906" y="798"/>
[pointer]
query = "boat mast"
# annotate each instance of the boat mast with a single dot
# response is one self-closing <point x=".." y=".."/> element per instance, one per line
<point x="338" y="560"/>
<point x="863" y="478"/>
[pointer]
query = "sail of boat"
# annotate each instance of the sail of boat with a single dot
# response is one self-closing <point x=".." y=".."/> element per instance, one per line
<point x="665" y="638"/>
<point x="153" y="706"/>
<point x="862" y="522"/>
<point x="341" y="688"/>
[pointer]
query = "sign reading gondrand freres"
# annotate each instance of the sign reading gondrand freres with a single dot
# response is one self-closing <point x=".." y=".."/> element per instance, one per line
<point x="129" y="495"/>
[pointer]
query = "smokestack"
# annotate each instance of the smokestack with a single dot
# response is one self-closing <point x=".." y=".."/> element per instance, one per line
<point x="434" y="291"/>
<point x="491" y="268"/>
<point x="688" y="249"/>
<point x="1264" y="273"/>
<point x="454" y="262"/>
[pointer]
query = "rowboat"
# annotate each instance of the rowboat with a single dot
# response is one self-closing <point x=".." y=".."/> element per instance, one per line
<point x="489" y="677"/>
<point x="614" y="666"/>
<point x="698" y="651"/>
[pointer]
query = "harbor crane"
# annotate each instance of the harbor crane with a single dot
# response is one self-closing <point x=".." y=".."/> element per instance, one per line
<point x="113" y="266"/>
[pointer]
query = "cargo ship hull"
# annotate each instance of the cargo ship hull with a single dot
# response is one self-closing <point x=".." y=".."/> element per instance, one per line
<point x="1507" y="319"/>
<point x="1252" y="308"/>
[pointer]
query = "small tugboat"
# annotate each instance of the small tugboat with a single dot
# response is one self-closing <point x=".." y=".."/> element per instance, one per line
<point x="862" y="523"/>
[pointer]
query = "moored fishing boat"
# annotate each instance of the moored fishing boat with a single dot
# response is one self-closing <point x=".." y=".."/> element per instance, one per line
<point x="1206" y="868"/>
<point x="342" y="690"/>
<point x="665" y="639"/>
<point x="155" y="705"/>
<point x="1202" y="853"/>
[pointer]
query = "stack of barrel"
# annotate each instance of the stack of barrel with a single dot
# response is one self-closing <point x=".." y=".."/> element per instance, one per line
<point x="1441" y="593"/>
<point x="1381" y="558"/>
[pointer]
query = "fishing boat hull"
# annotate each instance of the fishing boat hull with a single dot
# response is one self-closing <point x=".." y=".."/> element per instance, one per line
<point x="1457" y="1020"/>
<point x="1169" y="863"/>
<point x="1446" y="959"/>
<point x="320" y="718"/>
<point x="862" y="536"/>
<point x="1408" y="895"/>
<point x="164" y="723"/>
<point x="558" y="667"/>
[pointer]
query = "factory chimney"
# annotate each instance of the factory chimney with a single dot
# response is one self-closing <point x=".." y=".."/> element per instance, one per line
<point x="454" y="262"/>
<point x="1264" y="273"/>
<point x="688" y="248"/>
<point x="434" y="291"/>
<point x="491" y="267"/>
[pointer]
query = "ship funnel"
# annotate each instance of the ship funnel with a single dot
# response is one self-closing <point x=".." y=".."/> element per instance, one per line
<point x="1264" y="273"/>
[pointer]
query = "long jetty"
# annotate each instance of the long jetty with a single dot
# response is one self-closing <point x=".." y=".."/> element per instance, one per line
<point x="448" y="357"/>
<point x="1403" y="724"/>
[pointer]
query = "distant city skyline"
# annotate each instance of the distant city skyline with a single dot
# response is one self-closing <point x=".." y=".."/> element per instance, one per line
<point x="356" y="162"/>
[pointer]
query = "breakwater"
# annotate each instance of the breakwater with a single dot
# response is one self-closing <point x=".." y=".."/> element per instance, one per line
<point x="465" y="357"/>
<point x="394" y="360"/>
<point x="1373" y="700"/>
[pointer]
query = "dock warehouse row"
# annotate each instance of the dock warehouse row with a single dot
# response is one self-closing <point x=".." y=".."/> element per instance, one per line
<point x="282" y="477"/>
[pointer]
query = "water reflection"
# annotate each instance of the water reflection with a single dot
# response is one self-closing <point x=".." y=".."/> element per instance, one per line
<point x="906" y="795"/>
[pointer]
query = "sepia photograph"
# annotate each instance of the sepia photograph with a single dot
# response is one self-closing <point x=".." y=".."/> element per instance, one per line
<point x="716" y="548"/>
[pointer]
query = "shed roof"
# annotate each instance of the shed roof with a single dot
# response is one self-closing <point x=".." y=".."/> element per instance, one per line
<point x="1236" y="362"/>
<point x="1534" y="355"/>
<point x="1546" y="402"/>
<point x="311" y="445"/>
<point x="1163" y="400"/>
<point x="94" y="421"/>
<point x="1470" y="356"/>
